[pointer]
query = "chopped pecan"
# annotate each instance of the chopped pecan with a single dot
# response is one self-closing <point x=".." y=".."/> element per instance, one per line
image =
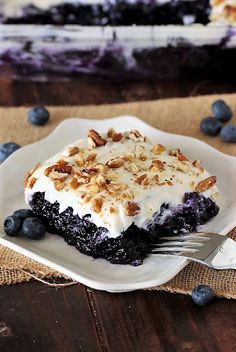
<point x="91" y="157"/>
<point x="128" y="157"/>
<point x="110" y="132"/>
<point x="117" y="137"/>
<point x="205" y="184"/>
<point x="93" y="188"/>
<point x="30" y="173"/>
<point x="158" y="149"/>
<point x="131" y="208"/>
<point x="58" y="176"/>
<point x="59" y="167"/>
<point x="180" y="166"/>
<point x="143" y="157"/>
<point x="31" y="182"/>
<point x="170" y="183"/>
<point x="116" y="187"/>
<point x="61" y="163"/>
<point x="136" y="136"/>
<point x="97" y="139"/>
<point x="157" y="165"/>
<point x="96" y="204"/>
<point x="131" y="167"/>
<point x="99" y="167"/>
<point x="197" y="164"/>
<point x="155" y="179"/>
<point x="115" y="163"/>
<point x="74" y="183"/>
<point x="82" y="179"/>
<point x="86" y="197"/>
<point x="71" y="151"/>
<point x="182" y="157"/>
<point x="112" y="210"/>
<point x="174" y="152"/>
<point x="58" y="185"/>
<point x="142" y="180"/>
<point x="67" y="169"/>
<point x="80" y="162"/>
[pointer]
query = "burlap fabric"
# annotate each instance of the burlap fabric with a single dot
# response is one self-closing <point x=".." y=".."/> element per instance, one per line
<point x="180" y="115"/>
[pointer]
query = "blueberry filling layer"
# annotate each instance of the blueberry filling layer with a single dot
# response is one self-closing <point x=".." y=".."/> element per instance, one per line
<point x="171" y="62"/>
<point x="116" y="13"/>
<point x="132" y="246"/>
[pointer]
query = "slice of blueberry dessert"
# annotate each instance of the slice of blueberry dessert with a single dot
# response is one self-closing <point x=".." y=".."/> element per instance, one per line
<point x="112" y="195"/>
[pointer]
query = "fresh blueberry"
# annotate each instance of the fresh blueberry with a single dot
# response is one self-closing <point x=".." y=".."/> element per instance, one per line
<point x="7" y="149"/>
<point x="12" y="225"/>
<point x="33" y="228"/>
<point x="228" y="134"/>
<point x="202" y="294"/>
<point x="38" y="116"/>
<point x="221" y="111"/>
<point x="23" y="213"/>
<point x="211" y="126"/>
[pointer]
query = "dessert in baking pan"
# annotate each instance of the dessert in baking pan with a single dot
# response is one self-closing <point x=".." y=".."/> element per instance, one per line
<point x="106" y="12"/>
<point x="122" y="39"/>
<point x="111" y="195"/>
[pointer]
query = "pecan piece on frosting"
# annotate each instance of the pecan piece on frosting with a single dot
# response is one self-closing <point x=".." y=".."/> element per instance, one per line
<point x="71" y="151"/>
<point x="61" y="167"/>
<point x="97" y="139"/>
<point x="115" y="163"/>
<point x="142" y="180"/>
<point x="31" y="182"/>
<point x="182" y="157"/>
<point x="91" y="157"/>
<point x="156" y="166"/>
<point x="30" y="173"/>
<point x="116" y="137"/>
<point x="197" y="164"/>
<point x="58" y="185"/>
<point x="205" y="184"/>
<point x="158" y="149"/>
<point x="96" y="204"/>
<point x="131" y="208"/>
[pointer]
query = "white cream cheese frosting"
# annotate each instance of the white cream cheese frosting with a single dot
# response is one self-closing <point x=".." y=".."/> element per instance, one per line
<point x="123" y="180"/>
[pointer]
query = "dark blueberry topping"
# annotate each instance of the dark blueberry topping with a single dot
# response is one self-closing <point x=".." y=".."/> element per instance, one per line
<point x="228" y="134"/>
<point x="132" y="246"/>
<point x="33" y="228"/>
<point x="12" y="225"/>
<point x="202" y="294"/>
<point x="6" y="149"/>
<point x="221" y="111"/>
<point x="38" y="116"/>
<point x="23" y="213"/>
<point x="211" y="126"/>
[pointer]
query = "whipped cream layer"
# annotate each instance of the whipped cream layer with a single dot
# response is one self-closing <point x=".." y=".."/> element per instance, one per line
<point x="118" y="180"/>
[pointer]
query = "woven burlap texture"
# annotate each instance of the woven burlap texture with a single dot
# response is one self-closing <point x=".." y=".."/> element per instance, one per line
<point x="181" y="116"/>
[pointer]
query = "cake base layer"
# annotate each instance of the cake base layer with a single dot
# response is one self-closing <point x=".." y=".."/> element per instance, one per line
<point x="132" y="246"/>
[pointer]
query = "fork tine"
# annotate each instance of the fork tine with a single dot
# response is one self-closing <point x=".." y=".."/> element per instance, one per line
<point x="185" y="238"/>
<point x="174" y="250"/>
<point x="177" y="243"/>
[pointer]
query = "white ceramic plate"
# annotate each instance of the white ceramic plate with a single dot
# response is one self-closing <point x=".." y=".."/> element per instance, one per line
<point x="99" y="273"/>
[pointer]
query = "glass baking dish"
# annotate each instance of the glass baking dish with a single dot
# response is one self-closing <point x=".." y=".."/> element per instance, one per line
<point x="40" y="52"/>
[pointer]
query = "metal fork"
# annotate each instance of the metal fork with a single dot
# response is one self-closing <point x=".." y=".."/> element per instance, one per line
<point x="214" y="250"/>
